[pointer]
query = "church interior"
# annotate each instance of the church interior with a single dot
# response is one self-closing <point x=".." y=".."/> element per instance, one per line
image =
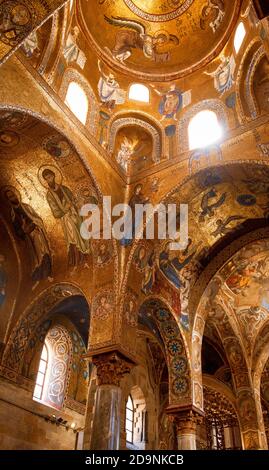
<point x="110" y="344"/>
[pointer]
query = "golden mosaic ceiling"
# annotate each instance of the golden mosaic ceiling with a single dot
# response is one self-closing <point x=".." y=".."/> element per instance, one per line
<point x="158" y="39"/>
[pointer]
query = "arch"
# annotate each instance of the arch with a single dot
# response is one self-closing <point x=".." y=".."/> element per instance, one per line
<point x="121" y="121"/>
<point x="55" y="127"/>
<point x="177" y="355"/>
<point x="37" y="311"/>
<point x="58" y="347"/>
<point x="72" y="75"/>
<point x="245" y="104"/>
<point x="249" y="92"/>
<point x="88" y="177"/>
<point x="217" y="106"/>
<point x="205" y="273"/>
<point x="215" y="302"/>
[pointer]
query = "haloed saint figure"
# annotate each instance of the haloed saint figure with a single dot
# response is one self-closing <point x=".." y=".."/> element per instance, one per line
<point x="63" y="207"/>
<point x="29" y="227"/>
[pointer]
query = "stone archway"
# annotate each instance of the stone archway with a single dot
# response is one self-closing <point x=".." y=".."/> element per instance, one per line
<point x="37" y="311"/>
<point x="216" y="303"/>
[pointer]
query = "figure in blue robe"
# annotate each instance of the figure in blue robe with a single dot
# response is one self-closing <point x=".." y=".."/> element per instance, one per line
<point x="170" y="268"/>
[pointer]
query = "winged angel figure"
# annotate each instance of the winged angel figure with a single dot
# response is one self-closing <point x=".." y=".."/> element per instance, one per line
<point x="134" y="36"/>
<point x="130" y="151"/>
<point x="213" y="13"/>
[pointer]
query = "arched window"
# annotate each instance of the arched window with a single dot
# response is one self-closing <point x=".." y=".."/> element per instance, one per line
<point x="52" y="375"/>
<point x="204" y="129"/>
<point x="42" y="369"/>
<point x="239" y="36"/>
<point x="139" y="92"/>
<point x="77" y="101"/>
<point x="129" y="420"/>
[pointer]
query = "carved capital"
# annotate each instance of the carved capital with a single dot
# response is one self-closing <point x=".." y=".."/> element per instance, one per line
<point x="185" y="420"/>
<point x="111" y="367"/>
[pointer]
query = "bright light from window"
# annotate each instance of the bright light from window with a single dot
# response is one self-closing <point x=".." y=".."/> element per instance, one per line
<point x="77" y="101"/>
<point x="204" y="130"/>
<point x="239" y="36"/>
<point x="139" y="92"/>
<point x="129" y="420"/>
<point x="40" y="379"/>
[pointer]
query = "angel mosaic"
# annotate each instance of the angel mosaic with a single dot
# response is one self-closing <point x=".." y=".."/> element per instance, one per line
<point x="212" y="14"/>
<point x="224" y="74"/>
<point x="227" y="225"/>
<point x="125" y="153"/>
<point x="250" y="282"/>
<point x="133" y="35"/>
<point x="134" y="149"/>
<point x="208" y="207"/>
<point x="109" y="90"/>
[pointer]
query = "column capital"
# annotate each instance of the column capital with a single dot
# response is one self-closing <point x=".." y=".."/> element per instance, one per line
<point x="185" y="418"/>
<point x="111" y="367"/>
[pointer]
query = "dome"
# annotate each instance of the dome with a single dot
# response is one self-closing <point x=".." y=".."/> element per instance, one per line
<point x="158" y="39"/>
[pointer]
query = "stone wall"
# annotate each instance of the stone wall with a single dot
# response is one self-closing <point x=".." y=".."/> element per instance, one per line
<point x="23" y="424"/>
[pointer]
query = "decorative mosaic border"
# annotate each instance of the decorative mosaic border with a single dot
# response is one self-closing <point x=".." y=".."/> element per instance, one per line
<point x="162" y="17"/>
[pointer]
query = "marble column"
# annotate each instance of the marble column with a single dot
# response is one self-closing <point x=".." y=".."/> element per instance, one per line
<point x="105" y="433"/>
